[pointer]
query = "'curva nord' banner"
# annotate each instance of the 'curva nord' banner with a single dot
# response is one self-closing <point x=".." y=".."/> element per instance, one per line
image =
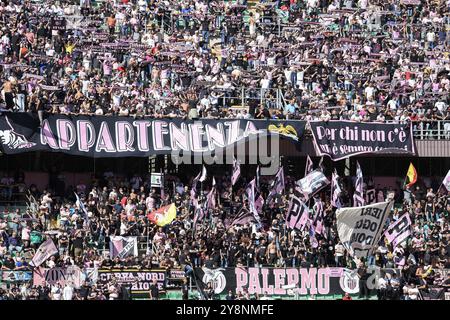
<point x="342" y="139"/>
<point x="104" y="136"/>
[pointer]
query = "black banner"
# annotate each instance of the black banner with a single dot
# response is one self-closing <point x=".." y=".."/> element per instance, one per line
<point x="105" y="136"/>
<point x="280" y="281"/>
<point x="292" y="282"/>
<point x="139" y="280"/>
<point x="342" y="139"/>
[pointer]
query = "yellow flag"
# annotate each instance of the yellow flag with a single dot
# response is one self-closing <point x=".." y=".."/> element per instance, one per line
<point x="411" y="176"/>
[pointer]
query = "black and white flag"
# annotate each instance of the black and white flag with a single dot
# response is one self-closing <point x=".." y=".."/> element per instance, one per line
<point x="312" y="183"/>
<point x="250" y="193"/>
<point x="297" y="215"/>
<point x="335" y="191"/>
<point x="309" y="166"/>
<point x="358" y="196"/>
<point x="277" y="185"/>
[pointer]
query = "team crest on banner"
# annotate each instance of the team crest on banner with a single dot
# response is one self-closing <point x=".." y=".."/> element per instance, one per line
<point x="349" y="281"/>
<point x="14" y="140"/>
<point x="216" y="277"/>
<point x="288" y="131"/>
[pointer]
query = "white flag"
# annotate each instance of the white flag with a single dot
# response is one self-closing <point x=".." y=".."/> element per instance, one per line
<point x="203" y="176"/>
<point x="446" y="181"/>
<point x="359" y="228"/>
<point x="45" y="251"/>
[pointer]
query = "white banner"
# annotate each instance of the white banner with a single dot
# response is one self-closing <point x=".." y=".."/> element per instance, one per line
<point x="359" y="228"/>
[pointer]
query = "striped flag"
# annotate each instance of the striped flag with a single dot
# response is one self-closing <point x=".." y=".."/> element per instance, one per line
<point x="250" y="193"/>
<point x="277" y="186"/>
<point x="45" y="251"/>
<point x="244" y="217"/>
<point x="309" y="166"/>
<point x="358" y="196"/>
<point x="335" y="191"/>
<point x="399" y="230"/>
<point x="236" y="171"/>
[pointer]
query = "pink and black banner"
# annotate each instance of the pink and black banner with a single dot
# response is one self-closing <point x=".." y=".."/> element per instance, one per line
<point x="399" y="230"/>
<point x="343" y="139"/>
<point x="105" y="136"/>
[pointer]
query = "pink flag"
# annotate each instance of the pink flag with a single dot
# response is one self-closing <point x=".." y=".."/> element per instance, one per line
<point x="259" y="203"/>
<point x="211" y="197"/>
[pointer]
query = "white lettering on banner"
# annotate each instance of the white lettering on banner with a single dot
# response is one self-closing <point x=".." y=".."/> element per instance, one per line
<point x="140" y="280"/>
<point x="341" y="139"/>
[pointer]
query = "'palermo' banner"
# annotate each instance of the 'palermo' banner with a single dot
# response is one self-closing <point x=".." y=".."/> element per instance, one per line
<point x="104" y="136"/>
<point x="342" y="139"/>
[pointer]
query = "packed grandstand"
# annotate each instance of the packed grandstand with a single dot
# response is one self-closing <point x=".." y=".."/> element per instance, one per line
<point x="238" y="150"/>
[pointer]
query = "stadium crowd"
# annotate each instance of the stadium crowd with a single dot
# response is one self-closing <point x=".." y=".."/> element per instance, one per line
<point x="319" y="59"/>
<point x="119" y="206"/>
<point x="365" y="60"/>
